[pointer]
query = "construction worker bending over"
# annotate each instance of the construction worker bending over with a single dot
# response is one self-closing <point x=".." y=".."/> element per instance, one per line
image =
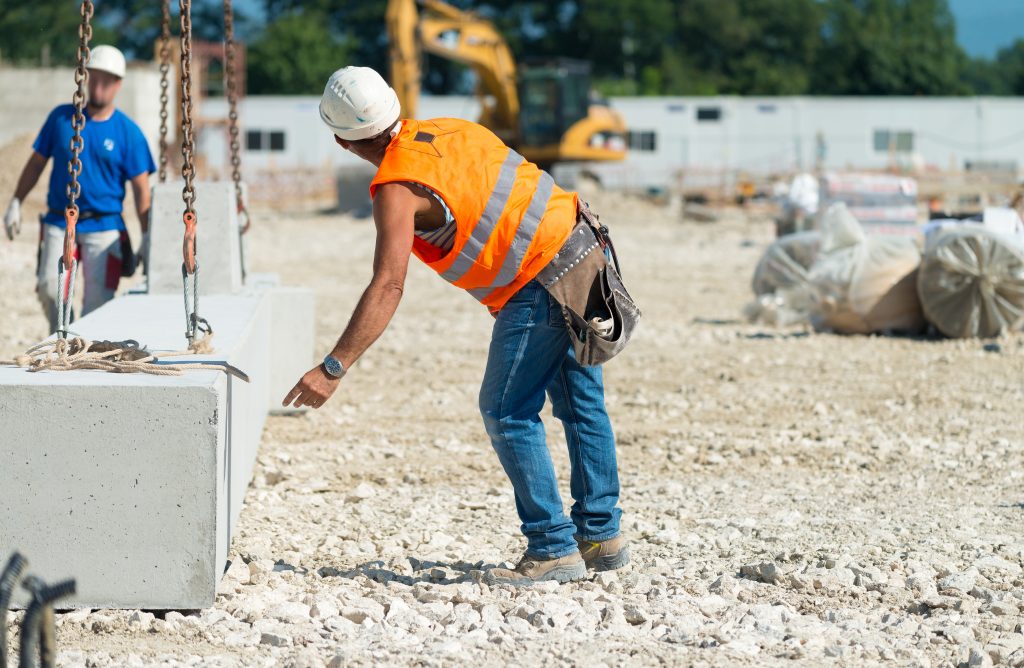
<point x="114" y="151"/>
<point x="488" y="221"/>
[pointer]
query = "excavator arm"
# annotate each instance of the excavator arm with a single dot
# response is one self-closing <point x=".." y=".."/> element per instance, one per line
<point x="461" y="36"/>
<point x="404" y="50"/>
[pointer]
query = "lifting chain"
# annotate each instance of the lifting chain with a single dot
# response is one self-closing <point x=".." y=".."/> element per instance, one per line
<point x="165" y="67"/>
<point x="231" y="85"/>
<point x="190" y="267"/>
<point x="68" y="265"/>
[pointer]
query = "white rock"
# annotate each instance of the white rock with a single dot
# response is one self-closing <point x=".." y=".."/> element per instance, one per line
<point x="994" y="562"/>
<point x="360" y="611"/>
<point x="290" y="612"/>
<point x="1003" y="608"/>
<point x="324" y="608"/>
<point x="963" y="582"/>
<point x="238" y="571"/>
<point x="246" y="638"/>
<point x="361" y="492"/>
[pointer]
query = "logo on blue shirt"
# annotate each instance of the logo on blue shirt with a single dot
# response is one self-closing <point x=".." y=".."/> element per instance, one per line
<point x="108" y="144"/>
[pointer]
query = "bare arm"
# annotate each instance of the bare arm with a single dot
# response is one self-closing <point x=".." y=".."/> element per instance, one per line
<point x="140" y="189"/>
<point x="30" y="175"/>
<point x="394" y="210"/>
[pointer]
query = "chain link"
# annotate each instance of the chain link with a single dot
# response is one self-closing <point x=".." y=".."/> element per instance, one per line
<point x="165" y="67"/>
<point x="231" y="85"/>
<point x="188" y="170"/>
<point x="190" y="267"/>
<point x="74" y="189"/>
<point x="67" y="262"/>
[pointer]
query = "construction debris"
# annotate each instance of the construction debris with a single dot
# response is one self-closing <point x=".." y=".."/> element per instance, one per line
<point x="882" y="203"/>
<point x="839" y="279"/>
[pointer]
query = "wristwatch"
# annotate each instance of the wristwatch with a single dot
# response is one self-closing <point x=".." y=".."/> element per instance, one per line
<point x="333" y="366"/>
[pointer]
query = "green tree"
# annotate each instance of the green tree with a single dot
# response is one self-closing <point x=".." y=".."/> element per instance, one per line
<point x="889" y="47"/>
<point x="295" y="55"/>
<point x="765" y="47"/>
<point x="1010" y="66"/>
<point x="985" y="77"/>
<point x="27" y="30"/>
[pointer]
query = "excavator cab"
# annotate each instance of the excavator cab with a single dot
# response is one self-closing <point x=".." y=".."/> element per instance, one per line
<point x="552" y="98"/>
<point x="560" y="120"/>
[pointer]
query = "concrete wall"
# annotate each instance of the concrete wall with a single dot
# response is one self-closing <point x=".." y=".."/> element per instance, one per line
<point x="30" y="93"/>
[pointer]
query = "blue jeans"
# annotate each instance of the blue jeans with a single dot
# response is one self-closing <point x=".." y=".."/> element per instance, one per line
<point x="531" y="353"/>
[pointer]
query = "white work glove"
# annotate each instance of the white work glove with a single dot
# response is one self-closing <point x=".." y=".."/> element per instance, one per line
<point x="12" y="219"/>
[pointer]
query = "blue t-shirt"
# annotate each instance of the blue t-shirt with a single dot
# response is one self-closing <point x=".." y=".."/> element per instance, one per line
<point x="114" y="151"/>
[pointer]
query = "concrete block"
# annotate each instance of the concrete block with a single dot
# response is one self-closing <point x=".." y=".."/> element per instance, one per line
<point x="133" y="483"/>
<point x="217" y="240"/>
<point x="293" y="347"/>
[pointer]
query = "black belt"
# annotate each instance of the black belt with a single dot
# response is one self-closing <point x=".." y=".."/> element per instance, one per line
<point x="86" y="215"/>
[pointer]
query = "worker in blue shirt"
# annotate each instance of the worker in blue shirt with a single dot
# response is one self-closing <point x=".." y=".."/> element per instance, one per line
<point x="114" y="152"/>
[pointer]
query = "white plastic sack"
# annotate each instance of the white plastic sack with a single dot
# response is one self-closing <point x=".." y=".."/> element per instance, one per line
<point x="839" y="279"/>
<point x="803" y="193"/>
<point x="971" y="282"/>
<point x="786" y="262"/>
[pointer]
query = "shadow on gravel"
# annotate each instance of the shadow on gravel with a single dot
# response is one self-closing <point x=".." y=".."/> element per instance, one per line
<point x="771" y="336"/>
<point x="423" y="571"/>
<point x="717" y="321"/>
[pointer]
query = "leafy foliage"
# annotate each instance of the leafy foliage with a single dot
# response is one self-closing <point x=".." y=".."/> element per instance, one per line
<point x="644" y="47"/>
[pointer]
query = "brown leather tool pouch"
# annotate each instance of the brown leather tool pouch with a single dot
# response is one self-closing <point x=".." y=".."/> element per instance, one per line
<point x="589" y="288"/>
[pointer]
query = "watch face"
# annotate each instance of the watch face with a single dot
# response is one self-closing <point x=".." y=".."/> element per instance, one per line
<point x="333" y="366"/>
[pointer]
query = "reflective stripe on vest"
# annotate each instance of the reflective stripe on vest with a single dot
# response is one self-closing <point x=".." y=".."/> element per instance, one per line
<point x="485" y="226"/>
<point x="524" y="235"/>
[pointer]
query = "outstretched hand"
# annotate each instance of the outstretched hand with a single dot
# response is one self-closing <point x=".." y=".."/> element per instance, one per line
<point x="314" y="388"/>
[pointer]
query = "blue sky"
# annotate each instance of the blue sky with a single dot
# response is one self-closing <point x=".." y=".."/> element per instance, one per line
<point x="983" y="26"/>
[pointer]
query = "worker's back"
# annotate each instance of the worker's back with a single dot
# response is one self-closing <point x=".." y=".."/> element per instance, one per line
<point x="511" y="217"/>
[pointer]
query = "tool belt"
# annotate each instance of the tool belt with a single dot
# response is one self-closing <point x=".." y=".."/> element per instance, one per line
<point x="129" y="260"/>
<point x="599" y="313"/>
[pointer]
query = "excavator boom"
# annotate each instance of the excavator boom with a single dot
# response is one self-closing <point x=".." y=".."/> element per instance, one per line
<point x="578" y="132"/>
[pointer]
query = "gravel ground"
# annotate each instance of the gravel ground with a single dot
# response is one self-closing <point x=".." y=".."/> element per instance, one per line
<point x="792" y="498"/>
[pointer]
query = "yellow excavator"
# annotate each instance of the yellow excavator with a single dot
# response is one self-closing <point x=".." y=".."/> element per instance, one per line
<point x="544" y="110"/>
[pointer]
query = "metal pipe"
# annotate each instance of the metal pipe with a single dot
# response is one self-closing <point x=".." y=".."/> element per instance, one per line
<point x="8" y="580"/>
<point x="47" y="625"/>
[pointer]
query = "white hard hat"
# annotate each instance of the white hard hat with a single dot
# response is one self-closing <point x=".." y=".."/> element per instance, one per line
<point x="358" y="103"/>
<point x="107" y="58"/>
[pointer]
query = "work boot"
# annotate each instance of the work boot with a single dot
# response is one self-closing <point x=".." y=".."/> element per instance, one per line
<point x="604" y="555"/>
<point x="531" y="570"/>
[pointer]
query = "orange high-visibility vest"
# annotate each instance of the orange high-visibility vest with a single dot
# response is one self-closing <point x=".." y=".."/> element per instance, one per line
<point x="510" y="216"/>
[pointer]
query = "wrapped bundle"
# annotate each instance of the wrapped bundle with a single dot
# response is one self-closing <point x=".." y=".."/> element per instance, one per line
<point x="971" y="282"/>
